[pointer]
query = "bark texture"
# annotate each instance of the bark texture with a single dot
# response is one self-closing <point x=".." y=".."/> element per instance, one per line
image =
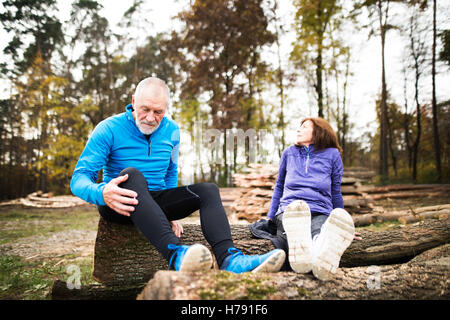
<point x="124" y="257"/>
<point x="420" y="279"/>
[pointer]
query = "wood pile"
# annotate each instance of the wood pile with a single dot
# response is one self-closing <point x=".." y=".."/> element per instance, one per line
<point x="39" y="199"/>
<point x="361" y="174"/>
<point x="257" y="184"/>
<point x="403" y="191"/>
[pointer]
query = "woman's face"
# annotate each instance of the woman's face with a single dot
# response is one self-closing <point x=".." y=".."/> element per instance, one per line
<point x="305" y="133"/>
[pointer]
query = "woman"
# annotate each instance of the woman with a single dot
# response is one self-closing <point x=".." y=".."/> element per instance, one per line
<point x="307" y="204"/>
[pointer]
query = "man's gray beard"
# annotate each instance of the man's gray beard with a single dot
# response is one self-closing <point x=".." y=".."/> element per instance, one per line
<point x="146" y="130"/>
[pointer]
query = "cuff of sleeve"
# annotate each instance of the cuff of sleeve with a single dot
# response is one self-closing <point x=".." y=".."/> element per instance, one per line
<point x="100" y="200"/>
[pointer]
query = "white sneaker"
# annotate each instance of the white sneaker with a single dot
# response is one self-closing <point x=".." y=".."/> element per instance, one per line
<point x="336" y="235"/>
<point x="297" y="224"/>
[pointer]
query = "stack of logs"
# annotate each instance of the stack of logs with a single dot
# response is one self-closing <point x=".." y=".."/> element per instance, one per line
<point x="48" y="200"/>
<point x="256" y="189"/>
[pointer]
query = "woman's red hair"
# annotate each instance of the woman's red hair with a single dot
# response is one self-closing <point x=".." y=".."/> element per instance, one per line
<point x="323" y="134"/>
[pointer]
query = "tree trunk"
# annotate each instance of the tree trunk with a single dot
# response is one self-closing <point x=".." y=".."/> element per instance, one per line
<point x="124" y="257"/>
<point x="383" y="169"/>
<point x="319" y="88"/>
<point x="437" y="144"/>
<point x="425" y="278"/>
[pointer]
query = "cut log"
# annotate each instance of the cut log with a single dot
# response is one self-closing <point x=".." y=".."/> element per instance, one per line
<point x="431" y="208"/>
<point x="367" y="219"/>
<point x="124" y="257"/>
<point x="404" y="216"/>
<point x="51" y="202"/>
<point x="402" y="187"/>
<point x="441" y="214"/>
<point x="396" y="245"/>
<point x="160" y="288"/>
<point x="439" y="255"/>
<point x="409" y="194"/>
<point x="352" y="201"/>
<point x="417" y="280"/>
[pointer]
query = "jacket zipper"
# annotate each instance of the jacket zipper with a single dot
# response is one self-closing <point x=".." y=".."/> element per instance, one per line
<point x="307" y="159"/>
<point x="149" y="146"/>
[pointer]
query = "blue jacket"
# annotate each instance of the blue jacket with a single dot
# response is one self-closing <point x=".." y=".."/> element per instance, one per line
<point x="115" y="144"/>
<point x="311" y="175"/>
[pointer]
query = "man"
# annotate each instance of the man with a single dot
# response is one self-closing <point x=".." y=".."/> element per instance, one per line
<point x="138" y="152"/>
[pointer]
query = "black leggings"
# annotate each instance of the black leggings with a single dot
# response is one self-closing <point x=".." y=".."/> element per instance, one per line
<point x="156" y="208"/>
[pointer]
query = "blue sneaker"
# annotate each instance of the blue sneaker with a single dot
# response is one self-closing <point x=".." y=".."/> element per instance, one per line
<point x="237" y="262"/>
<point x="190" y="258"/>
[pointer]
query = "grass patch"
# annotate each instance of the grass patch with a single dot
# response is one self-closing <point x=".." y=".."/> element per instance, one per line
<point x="380" y="226"/>
<point x="32" y="280"/>
<point x="22" y="279"/>
<point x="246" y="286"/>
<point x="17" y="222"/>
<point x="304" y="293"/>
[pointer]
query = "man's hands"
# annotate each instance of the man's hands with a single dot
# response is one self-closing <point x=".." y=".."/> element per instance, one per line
<point x="177" y="228"/>
<point x="123" y="201"/>
<point x="119" y="199"/>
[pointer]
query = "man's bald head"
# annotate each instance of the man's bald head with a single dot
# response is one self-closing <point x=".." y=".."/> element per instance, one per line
<point x="150" y="102"/>
<point x="154" y="85"/>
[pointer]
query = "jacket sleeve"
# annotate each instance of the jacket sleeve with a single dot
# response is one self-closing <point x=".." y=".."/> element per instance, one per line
<point x="93" y="158"/>
<point x="336" y="179"/>
<point x="279" y="186"/>
<point x="171" y="177"/>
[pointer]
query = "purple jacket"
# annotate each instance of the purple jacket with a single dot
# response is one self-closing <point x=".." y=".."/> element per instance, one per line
<point x="309" y="175"/>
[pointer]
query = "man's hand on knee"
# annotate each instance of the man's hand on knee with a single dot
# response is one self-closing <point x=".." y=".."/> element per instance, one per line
<point x="119" y="199"/>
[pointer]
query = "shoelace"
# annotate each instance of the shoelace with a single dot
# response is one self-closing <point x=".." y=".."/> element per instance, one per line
<point x="173" y="247"/>
<point x="235" y="253"/>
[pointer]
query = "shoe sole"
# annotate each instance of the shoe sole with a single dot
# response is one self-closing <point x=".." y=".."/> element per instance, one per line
<point x="272" y="263"/>
<point x="297" y="224"/>
<point x="196" y="258"/>
<point x="339" y="231"/>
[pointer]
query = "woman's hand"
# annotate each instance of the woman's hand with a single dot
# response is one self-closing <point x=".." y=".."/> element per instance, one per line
<point x="177" y="228"/>
<point x="357" y="236"/>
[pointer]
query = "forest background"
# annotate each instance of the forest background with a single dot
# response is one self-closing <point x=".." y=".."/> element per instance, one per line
<point x="377" y="70"/>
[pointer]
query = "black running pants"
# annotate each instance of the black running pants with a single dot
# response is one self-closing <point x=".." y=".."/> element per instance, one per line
<point x="156" y="208"/>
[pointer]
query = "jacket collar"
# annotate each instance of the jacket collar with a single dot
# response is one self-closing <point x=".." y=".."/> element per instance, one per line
<point x="305" y="150"/>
